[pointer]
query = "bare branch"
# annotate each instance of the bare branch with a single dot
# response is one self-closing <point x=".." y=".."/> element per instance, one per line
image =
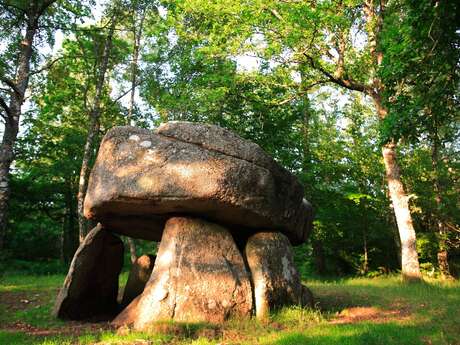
<point x="346" y="83"/>
<point x="304" y="91"/>
<point x="5" y="107"/>
<point x="276" y="15"/>
<point x="12" y="85"/>
<point x="47" y="66"/>
<point x="127" y="91"/>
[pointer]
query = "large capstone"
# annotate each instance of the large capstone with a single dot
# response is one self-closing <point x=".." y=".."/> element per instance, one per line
<point x="276" y="282"/>
<point x="199" y="276"/>
<point x="142" y="178"/>
<point x="91" y="286"/>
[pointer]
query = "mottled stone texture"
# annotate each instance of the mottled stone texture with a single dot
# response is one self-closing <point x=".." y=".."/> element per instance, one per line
<point x="138" y="276"/>
<point x="276" y="282"/>
<point x="199" y="275"/>
<point x="91" y="286"/>
<point x="193" y="169"/>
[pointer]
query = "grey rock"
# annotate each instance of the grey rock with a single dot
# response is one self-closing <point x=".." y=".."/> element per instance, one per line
<point x="199" y="276"/>
<point x="138" y="276"/>
<point x="275" y="279"/>
<point x="192" y="169"/>
<point x="91" y="286"/>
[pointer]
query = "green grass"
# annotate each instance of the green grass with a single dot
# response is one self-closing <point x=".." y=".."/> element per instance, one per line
<point x="426" y="313"/>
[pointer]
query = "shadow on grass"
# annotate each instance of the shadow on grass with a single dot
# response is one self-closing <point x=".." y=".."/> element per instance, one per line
<point x="358" y="334"/>
<point x="334" y="297"/>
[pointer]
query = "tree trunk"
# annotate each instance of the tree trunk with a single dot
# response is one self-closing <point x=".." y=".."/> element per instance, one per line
<point x="410" y="267"/>
<point x="13" y="115"/>
<point x="137" y="35"/>
<point x="318" y="257"/>
<point x="132" y="249"/>
<point x="442" y="255"/>
<point x="93" y="131"/>
<point x="69" y="237"/>
<point x="409" y="257"/>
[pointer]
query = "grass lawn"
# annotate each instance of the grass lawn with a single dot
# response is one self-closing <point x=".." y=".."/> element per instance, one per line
<point x="349" y="311"/>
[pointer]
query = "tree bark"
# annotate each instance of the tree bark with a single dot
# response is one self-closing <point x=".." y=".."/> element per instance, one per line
<point x="443" y="254"/>
<point x="93" y="131"/>
<point x="69" y="237"/>
<point x="137" y="35"/>
<point x="318" y="256"/>
<point x="18" y="88"/>
<point x="409" y="257"/>
<point x="132" y="249"/>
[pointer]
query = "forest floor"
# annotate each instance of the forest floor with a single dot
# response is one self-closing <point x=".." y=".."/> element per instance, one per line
<point x="348" y="311"/>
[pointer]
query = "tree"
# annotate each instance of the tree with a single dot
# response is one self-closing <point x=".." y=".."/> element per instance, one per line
<point x="54" y="131"/>
<point x="339" y="40"/>
<point x="94" y="113"/>
<point x="422" y="77"/>
<point x="29" y="20"/>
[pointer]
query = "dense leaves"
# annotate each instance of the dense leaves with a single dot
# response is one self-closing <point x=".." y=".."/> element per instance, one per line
<point x="296" y="77"/>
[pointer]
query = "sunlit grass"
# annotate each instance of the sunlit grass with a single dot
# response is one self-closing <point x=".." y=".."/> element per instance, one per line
<point x="425" y="313"/>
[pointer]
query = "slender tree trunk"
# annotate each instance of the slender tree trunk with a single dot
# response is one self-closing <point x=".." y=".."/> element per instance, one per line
<point x="132" y="249"/>
<point x="69" y="237"/>
<point x="93" y="131"/>
<point x="443" y="259"/>
<point x="137" y="35"/>
<point x="13" y="114"/>
<point x="365" y="247"/>
<point x="318" y="257"/>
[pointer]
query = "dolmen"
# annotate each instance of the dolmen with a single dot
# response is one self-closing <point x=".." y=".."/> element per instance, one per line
<point x="225" y="215"/>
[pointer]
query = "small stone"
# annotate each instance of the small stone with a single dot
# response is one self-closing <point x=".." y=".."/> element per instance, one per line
<point x="138" y="277"/>
<point x="146" y="143"/>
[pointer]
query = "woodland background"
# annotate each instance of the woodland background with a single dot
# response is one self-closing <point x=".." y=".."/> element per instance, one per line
<point x="322" y="86"/>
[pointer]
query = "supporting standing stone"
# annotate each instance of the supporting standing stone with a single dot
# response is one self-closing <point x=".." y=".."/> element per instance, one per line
<point x="138" y="277"/>
<point x="276" y="282"/>
<point x="199" y="275"/>
<point x="91" y="286"/>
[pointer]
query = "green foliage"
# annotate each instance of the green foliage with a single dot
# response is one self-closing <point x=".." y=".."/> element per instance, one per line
<point x="192" y="68"/>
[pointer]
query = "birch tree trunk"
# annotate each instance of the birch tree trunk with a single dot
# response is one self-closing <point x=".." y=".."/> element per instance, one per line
<point x="18" y="88"/>
<point x="409" y="258"/>
<point x="93" y="130"/>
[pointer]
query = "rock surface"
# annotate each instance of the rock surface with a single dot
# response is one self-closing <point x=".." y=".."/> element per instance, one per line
<point x="307" y="297"/>
<point x="193" y="169"/>
<point x="276" y="282"/>
<point x="199" y="275"/>
<point x="91" y="286"/>
<point x="138" y="276"/>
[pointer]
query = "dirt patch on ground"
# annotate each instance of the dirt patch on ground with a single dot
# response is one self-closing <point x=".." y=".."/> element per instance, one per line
<point x="373" y="314"/>
<point x="72" y="328"/>
<point x="16" y="301"/>
<point x="12" y="302"/>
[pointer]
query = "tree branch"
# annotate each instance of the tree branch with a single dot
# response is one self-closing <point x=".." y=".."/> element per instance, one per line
<point x="127" y="91"/>
<point x="47" y="66"/>
<point x="304" y="91"/>
<point x="45" y="5"/>
<point x="346" y="83"/>
<point x="5" y="107"/>
<point x="12" y="85"/>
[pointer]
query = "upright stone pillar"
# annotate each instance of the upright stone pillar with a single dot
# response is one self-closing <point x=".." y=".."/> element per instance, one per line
<point x="199" y="275"/>
<point x="91" y="286"/>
